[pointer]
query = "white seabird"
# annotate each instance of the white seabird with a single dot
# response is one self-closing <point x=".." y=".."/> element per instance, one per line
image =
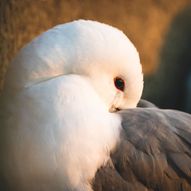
<point x="60" y="125"/>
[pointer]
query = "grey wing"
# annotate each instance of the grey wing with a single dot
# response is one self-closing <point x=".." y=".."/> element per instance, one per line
<point x="154" y="153"/>
<point x="144" y="103"/>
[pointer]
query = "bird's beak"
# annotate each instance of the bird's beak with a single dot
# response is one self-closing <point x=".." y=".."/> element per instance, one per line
<point x="115" y="103"/>
<point x="114" y="109"/>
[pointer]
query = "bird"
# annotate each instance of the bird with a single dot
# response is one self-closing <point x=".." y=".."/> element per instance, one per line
<point x="72" y="118"/>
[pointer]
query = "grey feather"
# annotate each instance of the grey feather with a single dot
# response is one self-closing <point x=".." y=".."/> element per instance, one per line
<point x="154" y="153"/>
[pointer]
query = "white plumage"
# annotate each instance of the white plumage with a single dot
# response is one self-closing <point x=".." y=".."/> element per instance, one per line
<point x="57" y="128"/>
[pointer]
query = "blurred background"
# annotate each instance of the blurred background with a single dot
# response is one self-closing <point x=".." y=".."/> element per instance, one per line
<point x="160" y="29"/>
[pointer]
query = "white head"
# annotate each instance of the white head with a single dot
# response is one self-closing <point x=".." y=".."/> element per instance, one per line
<point x="97" y="51"/>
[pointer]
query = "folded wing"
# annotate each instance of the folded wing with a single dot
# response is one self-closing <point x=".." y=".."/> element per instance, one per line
<point x="154" y="153"/>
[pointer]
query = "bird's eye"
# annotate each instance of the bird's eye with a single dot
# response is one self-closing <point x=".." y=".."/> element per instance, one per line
<point x="119" y="83"/>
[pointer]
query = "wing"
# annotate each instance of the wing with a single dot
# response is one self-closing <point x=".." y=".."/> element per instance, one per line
<point x="154" y="153"/>
<point x="145" y="103"/>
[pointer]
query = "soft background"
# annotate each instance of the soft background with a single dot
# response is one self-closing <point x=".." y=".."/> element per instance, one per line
<point x="160" y="29"/>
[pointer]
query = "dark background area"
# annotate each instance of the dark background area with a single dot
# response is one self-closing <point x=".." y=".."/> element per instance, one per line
<point x="170" y="85"/>
<point x="160" y="29"/>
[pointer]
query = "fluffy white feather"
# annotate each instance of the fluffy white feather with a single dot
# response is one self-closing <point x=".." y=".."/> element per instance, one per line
<point x="88" y="48"/>
<point x="57" y="128"/>
<point x="56" y="135"/>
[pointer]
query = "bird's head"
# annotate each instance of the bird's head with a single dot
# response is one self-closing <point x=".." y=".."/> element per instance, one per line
<point x="99" y="52"/>
<point x="109" y="60"/>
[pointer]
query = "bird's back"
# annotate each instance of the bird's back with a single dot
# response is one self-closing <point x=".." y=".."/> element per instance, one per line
<point x="154" y="153"/>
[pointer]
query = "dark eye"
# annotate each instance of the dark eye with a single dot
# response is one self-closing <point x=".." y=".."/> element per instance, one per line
<point x="119" y="83"/>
